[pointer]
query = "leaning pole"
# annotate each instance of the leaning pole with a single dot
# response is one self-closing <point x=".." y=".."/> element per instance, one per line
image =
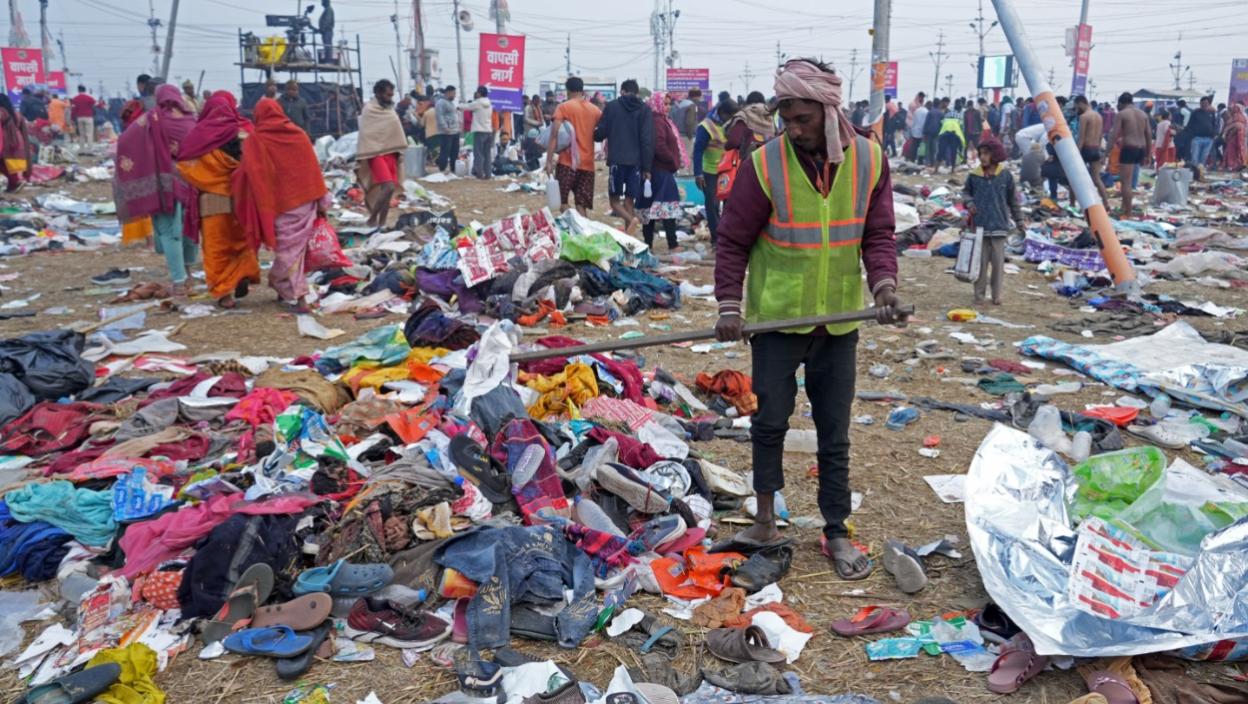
<point x="1120" y="269"/>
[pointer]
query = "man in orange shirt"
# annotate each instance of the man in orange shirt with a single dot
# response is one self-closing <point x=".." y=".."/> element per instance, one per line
<point x="575" y="168"/>
<point x="58" y="113"/>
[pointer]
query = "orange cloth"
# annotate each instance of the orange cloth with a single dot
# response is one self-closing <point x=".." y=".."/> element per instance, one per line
<point x="137" y="231"/>
<point x="698" y="575"/>
<point x="732" y="385"/>
<point x="57" y="111"/>
<point x="584" y="117"/>
<point x="791" y="617"/>
<point x="228" y="258"/>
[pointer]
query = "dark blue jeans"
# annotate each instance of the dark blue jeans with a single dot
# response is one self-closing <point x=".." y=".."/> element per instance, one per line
<point x="513" y="565"/>
<point x="831" y="366"/>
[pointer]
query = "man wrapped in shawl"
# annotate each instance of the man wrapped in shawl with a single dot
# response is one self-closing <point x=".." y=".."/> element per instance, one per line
<point x="16" y="158"/>
<point x="152" y="199"/>
<point x="1236" y="136"/>
<point x="377" y="156"/>
<point x="207" y="159"/>
<point x="663" y="203"/>
<point x="751" y="126"/>
<point x="278" y="195"/>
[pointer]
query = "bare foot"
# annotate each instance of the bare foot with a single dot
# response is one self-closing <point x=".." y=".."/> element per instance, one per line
<point x="848" y="560"/>
<point x="761" y="532"/>
<point x="227" y="302"/>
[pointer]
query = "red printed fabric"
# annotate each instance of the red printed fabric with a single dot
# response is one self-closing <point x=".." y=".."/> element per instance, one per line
<point x="544" y="492"/>
<point x="633" y="452"/>
<point x="48" y="427"/>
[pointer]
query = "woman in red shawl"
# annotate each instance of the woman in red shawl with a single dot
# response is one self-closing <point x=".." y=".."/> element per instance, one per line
<point x="278" y="195"/>
<point x="147" y="186"/>
<point x="16" y="159"/>
<point x="207" y="158"/>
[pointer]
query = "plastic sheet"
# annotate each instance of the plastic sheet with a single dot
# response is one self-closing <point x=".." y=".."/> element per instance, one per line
<point x="16" y="607"/>
<point x="1016" y="516"/>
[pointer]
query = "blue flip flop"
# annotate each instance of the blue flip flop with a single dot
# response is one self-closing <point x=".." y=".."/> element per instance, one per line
<point x="344" y="579"/>
<point x="275" y="642"/>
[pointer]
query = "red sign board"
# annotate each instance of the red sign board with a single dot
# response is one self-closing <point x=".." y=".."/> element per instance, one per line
<point x="1083" y="50"/>
<point x="56" y="81"/>
<point x="501" y="69"/>
<point x="890" y="80"/>
<point x="22" y="68"/>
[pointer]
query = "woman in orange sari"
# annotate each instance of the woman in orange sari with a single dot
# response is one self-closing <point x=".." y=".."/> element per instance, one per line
<point x="207" y="159"/>
<point x="1236" y="135"/>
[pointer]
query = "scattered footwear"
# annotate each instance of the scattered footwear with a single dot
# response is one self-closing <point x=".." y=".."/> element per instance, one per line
<point x="302" y="614"/>
<point x="1114" y="688"/>
<point x="624" y="483"/>
<point x="1159" y="435"/>
<point x="994" y="624"/>
<point x="344" y="579"/>
<point x="472" y="460"/>
<point x="650" y="635"/>
<point x="276" y="642"/>
<point x="756" y="678"/>
<point x="252" y="589"/>
<point x="82" y="686"/>
<point x="906" y="567"/>
<point x="296" y="667"/>
<point x="747" y="644"/>
<point x="764" y="567"/>
<point x="870" y="620"/>
<point x="1017" y="663"/>
<point x="112" y="277"/>
<point x="842" y="564"/>
<point x="382" y="621"/>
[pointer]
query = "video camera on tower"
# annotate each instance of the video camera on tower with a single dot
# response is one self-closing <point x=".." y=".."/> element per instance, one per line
<point x="296" y="24"/>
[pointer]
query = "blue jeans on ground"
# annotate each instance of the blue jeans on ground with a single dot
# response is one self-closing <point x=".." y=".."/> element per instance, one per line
<point x="514" y="565"/>
<point x="179" y="250"/>
<point x="1201" y="147"/>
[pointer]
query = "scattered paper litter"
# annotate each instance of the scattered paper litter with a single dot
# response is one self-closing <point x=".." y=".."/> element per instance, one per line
<point x="310" y="327"/>
<point x="951" y="488"/>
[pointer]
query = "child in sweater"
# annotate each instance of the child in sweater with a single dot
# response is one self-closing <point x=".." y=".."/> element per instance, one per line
<point x="992" y="201"/>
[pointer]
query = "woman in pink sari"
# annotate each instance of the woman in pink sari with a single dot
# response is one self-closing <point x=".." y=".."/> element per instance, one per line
<point x="147" y="184"/>
<point x="1236" y="135"/>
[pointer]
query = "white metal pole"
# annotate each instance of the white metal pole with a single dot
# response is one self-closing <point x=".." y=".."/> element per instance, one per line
<point x="1116" y="261"/>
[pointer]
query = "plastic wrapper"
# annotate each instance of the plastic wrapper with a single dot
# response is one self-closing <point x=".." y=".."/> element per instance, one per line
<point x="1179" y="510"/>
<point x="1023" y="539"/>
<point x="1109" y="482"/>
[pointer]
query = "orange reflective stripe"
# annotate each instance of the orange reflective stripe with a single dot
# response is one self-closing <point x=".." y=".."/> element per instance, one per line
<point x="811" y="245"/>
<point x="788" y="192"/>
<point x="830" y="223"/>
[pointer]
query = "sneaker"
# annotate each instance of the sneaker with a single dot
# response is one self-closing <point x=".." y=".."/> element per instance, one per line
<point x="624" y="483"/>
<point x="382" y="621"/>
<point x="112" y="277"/>
<point x="905" y="565"/>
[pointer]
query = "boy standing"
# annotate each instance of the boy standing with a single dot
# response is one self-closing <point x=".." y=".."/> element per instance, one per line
<point x="992" y="200"/>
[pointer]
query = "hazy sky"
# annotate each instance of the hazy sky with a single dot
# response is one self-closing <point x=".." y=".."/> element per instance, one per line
<point x="1134" y="40"/>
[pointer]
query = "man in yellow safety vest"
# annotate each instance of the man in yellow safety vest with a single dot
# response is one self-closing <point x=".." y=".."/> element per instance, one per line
<point x="808" y="211"/>
<point x="708" y="149"/>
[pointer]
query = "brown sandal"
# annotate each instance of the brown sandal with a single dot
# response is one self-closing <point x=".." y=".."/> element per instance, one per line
<point x="747" y="644"/>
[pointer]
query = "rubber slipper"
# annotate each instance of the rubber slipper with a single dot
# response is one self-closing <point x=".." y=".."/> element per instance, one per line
<point x="994" y="624"/>
<point x="1017" y="663"/>
<point x="905" y="565"/>
<point x="1114" y="688"/>
<point x="468" y="455"/>
<point x="763" y="568"/>
<point x="648" y="635"/>
<point x="758" y="678"/>
<point x="459" y="623"/>
<point x="344" y="579"/>
<point x="251" y="590"/>
<point x="747" y="644"/>
<point x="294" y="668"/>
<point x="276" y="642"/>
<point x="302" y="614"/>
<point x="81" y="686"/>
<point x="871" y="619"/>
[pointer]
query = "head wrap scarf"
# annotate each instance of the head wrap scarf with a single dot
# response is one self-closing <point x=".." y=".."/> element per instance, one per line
<point x="218" y="124"/>
<point x="662" y="121"/>
<point x="278" y="172"/>
<point x="146" y="182"/>
<point x="803" y="80"/>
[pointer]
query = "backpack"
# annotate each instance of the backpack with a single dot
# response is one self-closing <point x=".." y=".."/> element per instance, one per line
<point x="726" y="172"/>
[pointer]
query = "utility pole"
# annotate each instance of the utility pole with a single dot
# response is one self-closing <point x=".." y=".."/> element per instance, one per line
<point x="1191" y="80"/>
<point x="419" y="75"/>
<point x="459" y="47"/>
<point x="17" y="30"/>
<point x="499" y="13"/>
<point x="1177" y="68"/>
<point x="173" y="24"/>
<point x="60" y="45"/>
<point x="1052" y="75"/>
<point x="567" y="54"/>
<point x="938" y="56"/>
<point x="45" y="39"/>
<point x="949" y="85"/>
<point x="671" y="35"/>
<point x="978" y="26"/>
<point x="748" y="76"/>
<point x="656" y="32"/>
<point x="153" y="23"/>
<point x="1083" y="19"/>
<point x="879" y="61"/>
<point x="853" y="72"/>
<point x="398" y="49"/>
<point x="780" y="56"/>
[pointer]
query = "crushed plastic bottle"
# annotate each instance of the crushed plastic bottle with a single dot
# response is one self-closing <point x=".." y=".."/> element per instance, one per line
<point x="591" y="515"/>
<point x="801" y="441"/>
<point x="1160" y="407"/>
<point x="964" y="643"/>
<point x="1081" y="447"/>
<point x="1047" y="428"/>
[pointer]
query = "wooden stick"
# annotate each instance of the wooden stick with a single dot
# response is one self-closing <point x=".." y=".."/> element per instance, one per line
<point x="704" y="334"/>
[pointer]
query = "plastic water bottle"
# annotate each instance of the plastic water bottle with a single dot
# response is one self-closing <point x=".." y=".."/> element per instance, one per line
<point x="801" y="441"/>
<point x="1160" y="406"/>
<point x="782" y="509"/>
<point x="1081" y="447"/>
<point x="647" y="191"/>
<point x="591" y="515"/>
<point x="552" y="194"/>
<point x="528" y="465"/>
<point x="1047" y="428"/>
